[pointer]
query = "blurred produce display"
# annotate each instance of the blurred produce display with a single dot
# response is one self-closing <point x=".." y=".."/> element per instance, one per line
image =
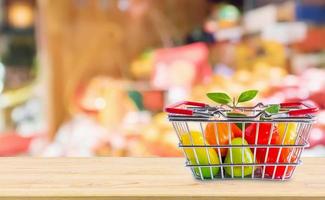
<point x="116" y="65"/>
<point x="111" y="118"/>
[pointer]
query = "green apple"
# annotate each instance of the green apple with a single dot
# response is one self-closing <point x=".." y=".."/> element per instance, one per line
<point x="237" y="154"/>
<point x="202" y="154"/>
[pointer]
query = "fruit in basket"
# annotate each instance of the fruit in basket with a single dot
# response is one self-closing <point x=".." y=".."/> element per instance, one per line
<point x="263" y="134"/>
<point x="284" y="158"/>
<point x="222" y="130"/>
<point x="262" y="131"/>
<point x="237" y="114"/>
<point x="289" y="130"/>
<point x="203" y="154"/>
<point x="239" y="156"/>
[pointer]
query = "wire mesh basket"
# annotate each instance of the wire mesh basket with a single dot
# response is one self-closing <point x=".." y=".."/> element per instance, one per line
<point x="249" y="143"/>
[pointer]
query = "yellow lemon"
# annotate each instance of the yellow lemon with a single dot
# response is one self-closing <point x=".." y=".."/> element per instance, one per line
<point x="203" y="154"/>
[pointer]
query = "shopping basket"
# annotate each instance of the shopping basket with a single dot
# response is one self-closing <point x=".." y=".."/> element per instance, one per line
<point x="266" y="146"/>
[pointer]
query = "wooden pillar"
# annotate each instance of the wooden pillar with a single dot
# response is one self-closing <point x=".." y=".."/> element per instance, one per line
<point x="79" y="39"/>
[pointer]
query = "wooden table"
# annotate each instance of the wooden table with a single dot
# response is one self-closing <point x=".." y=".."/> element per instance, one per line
<point x="143" y="178"/>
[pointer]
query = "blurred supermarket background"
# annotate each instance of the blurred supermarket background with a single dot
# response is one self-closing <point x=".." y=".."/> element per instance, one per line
<point x="91" y="77"/>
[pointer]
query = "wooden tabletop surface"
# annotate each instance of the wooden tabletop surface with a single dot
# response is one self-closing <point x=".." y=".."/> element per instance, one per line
<point x="143" y="178"/>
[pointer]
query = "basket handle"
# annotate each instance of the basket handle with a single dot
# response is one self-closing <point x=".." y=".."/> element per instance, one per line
<point x="304" y="111"/>
<point x="174" y="108"/>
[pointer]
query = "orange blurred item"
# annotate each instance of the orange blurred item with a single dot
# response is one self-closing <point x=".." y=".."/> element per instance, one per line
<point x="109" y="99"/>
<point x="153" y="100"/>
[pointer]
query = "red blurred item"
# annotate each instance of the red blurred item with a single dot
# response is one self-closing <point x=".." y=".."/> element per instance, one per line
<point x="314" y="41"/>
<point x="153" y="100"/>
<point x="12" y="144"/>
<point x="319" y="98"/>
<point x="181" y="66"/>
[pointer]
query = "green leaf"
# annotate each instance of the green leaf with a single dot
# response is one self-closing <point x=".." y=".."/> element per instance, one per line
<point x="219" y="97"/>
<point x="273" y="109"/>
<point x="247" y="96"/>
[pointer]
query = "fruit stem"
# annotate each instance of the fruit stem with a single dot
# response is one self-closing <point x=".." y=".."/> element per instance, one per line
<point x="234" y="103"/>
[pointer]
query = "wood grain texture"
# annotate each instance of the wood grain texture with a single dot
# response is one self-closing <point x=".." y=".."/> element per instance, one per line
<point x="143" y="178"/>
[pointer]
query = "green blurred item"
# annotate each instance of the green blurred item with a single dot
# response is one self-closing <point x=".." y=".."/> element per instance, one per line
<point x="137" y="98"/>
